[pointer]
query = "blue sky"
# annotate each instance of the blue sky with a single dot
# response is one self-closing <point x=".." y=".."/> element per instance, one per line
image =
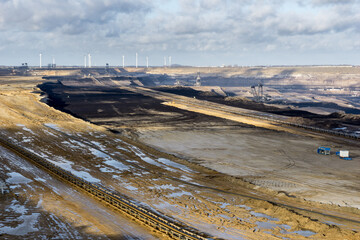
<point x="192" y="32"/>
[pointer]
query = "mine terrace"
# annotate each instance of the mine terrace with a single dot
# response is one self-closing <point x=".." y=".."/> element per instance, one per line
<point x="180" y="152"/>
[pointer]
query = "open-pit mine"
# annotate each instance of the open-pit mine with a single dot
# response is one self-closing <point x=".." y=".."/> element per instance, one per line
<point x="180" y="153"/>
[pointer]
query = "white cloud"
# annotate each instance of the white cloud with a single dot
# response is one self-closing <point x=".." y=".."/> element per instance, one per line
<point x="178" y="26"/>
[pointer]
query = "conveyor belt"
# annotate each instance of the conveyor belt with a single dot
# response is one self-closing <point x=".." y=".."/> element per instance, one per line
<point x="173" y="229"/>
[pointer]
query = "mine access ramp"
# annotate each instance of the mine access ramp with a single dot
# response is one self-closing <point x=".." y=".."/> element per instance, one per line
<point x="158" y="222"/>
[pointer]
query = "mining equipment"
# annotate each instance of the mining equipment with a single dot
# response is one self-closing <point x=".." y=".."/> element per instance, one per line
<point x="198" y="80"/>
<point x="258" y="93"/>
<point x="344" y="154"/>
<point x="324" y="150"/>
<point x="177" y="82"/>
<point x="107" y="67"/>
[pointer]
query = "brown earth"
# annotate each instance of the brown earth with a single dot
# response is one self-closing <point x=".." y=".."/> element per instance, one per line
<point x="209" y="200"/>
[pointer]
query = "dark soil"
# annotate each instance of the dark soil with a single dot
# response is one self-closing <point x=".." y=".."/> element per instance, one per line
<point x="117" y="107"/>
<point x="328" y="122"/>
<point x="237" y="102"/>
<point x="346" y="110"/>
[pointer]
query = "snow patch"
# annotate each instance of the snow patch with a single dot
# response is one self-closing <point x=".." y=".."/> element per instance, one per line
<point x="99" y="145"/>
<point x="27" y="225"/>
<point x="270" y="225"/>
<point x="39" y="203"/>
<point x="223" y="205"/>
<point x="52" y="126"/>
<point x="67" y="165"/>
<point x="121" y="148"/>
<point x="106" y="169"/>
<point x="244" y="206"/>
<point x="100" y="154"/>
<point x="131" y="188"/>
<point x="24" y="128"/>
<point x="49" y="133"/>
<point x="78" y="143"/>
<point x="174" y="164"/>
<point x="26" y="139"/>
<point x="109" y="160"/>
<point x="165" y="186"/>
<point x="151" y="161"/>
<point x="186" y="178"/>
<point x="85" y="175"/>
<point x="304" y="233"/>
<point x="20" y="209"/>
<point x="70" y="145"/>
<point x="17" y="178"/>
<point x="131" y="161"/>
<point x="116" y="164"/>
<point x="263" y="216"/>
<point x="179" y="194"/>
<point x="28" y="130"/>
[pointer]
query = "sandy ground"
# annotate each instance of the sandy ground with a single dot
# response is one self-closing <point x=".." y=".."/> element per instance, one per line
<point x="229" y="116"/>
<point x="263" y="157"/>
<point x="211" y="201"/>
<point x="277" y="160"/>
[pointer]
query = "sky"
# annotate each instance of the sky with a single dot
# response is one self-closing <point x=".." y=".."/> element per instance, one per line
<point x="192" y="32"/>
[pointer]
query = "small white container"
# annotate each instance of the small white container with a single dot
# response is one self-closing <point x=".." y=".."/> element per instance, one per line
<point x="344" y="153"/>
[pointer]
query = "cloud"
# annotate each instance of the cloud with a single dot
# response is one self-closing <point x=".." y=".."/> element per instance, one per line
<point x="179" y="26"/>
<point x="44" y="15"/>
<point x="327" y="2"/>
